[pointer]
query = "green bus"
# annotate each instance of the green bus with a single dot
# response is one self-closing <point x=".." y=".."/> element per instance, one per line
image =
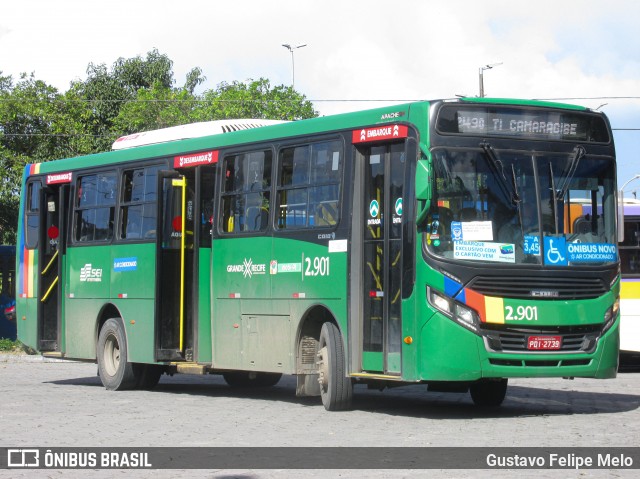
<point x="427" y="243"/>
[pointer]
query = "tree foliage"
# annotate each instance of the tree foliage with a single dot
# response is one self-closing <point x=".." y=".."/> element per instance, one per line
<point x="39" y="123"/>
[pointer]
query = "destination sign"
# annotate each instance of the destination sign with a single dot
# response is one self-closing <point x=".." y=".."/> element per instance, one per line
<point x="532" y="123"/>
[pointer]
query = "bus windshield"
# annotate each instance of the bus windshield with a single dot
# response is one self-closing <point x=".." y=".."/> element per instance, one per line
<point x="553" y="209"/>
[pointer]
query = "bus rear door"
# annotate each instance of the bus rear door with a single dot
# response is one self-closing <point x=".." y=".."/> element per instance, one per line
<point x="174" y="270"/>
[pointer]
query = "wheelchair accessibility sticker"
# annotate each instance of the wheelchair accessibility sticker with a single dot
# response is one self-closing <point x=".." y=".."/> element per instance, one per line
<point x="555" y="251"/>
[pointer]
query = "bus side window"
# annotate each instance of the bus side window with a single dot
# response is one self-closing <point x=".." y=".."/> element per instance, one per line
<point x="95" y="207"/>
<point x="138" y="203"/>
<point x="246" y="192"/>
<point x="32" y="220"/>
<point x="309" y="185"/>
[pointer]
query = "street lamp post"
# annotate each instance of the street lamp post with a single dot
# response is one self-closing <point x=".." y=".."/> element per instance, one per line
<point x="637" y="177"/>
<point x="481" y="76"/>
<point x="291" y="48"/>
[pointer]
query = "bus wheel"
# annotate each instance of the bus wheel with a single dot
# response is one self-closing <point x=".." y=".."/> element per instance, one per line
<point x="148" y="375"/>
<point x="116" y="373"/>
<point x="488" y="392"/>
<point x="250" y="379"/>
<point x="336" y="389"/>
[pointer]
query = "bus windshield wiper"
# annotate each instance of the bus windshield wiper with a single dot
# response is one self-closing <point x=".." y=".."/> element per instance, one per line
<point x="509" y="191"/>
<point x="554" y="199"/>
<point x="516" y="197"/>
<point x="577" y="154"/>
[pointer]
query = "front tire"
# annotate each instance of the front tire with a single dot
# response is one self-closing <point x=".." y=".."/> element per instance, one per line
<point x="489" y="392"/>
<point x="116" y="372"/>
<point x="336" y="388"/>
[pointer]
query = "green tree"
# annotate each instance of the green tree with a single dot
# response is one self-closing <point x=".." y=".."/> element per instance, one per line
<point x="27" y="135"/>
<point x="38" y="123"/>
<point x="106" y="91"/>
<point x="154" y="108"/>
<point x="9" y="195"/>
<point x="254" y="99"/>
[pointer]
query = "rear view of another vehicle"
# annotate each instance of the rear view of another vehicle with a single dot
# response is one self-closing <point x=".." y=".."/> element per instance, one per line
<point x="7" y="293"/>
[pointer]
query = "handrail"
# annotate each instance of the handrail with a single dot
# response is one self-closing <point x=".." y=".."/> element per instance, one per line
<point x="182" y="183"/>
<point x="46" y="295"/>
<point x="44" y="271"/>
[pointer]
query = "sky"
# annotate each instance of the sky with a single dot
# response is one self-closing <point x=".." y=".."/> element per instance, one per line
<point x="359" y="53"/>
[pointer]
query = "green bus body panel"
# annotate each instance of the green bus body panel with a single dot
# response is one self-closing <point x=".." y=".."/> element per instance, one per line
<point x="205" y="307"/>
<point x="136" y="282"/>
<point x="261" y="292"/>
<point x="27" y="327"/>
<point x="92" y="282"/>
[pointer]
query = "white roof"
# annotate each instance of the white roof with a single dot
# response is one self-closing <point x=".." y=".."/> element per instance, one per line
<point x="191" y="130"/>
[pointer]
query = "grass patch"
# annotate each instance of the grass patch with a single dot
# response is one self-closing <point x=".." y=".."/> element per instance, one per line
<point x="10" y="346"/>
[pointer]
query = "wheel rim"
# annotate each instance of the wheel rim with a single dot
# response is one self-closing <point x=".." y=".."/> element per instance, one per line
<point x="323" y="369"/>
<point x="111" y="355"/>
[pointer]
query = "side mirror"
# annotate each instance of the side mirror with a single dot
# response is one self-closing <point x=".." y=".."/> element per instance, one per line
<point x="423" y="190"/>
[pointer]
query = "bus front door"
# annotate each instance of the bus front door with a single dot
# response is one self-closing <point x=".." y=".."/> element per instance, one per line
<point x="174" y="270"/>
<point x="380" y="265"/>
<point x="51" y="250"/>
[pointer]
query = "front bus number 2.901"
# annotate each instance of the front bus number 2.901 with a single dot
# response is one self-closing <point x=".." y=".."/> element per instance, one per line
<point x="318" y="266"/>
<point x="521" y="313"/>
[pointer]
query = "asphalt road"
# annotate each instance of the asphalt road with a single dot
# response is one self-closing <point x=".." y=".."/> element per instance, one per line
<point x="63" y="404"/>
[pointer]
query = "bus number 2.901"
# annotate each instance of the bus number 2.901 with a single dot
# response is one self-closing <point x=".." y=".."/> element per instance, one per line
<point x="318" y="266"/>
<point x="521" y="313"/>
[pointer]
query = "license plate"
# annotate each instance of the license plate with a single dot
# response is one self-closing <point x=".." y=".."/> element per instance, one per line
<point x="544" y="343"/>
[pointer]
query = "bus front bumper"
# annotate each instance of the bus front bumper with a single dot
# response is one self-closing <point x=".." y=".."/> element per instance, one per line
<point x="449" y="352"/>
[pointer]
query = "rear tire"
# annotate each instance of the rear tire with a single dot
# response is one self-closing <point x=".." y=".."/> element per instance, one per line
<point x="336" y="389"/>
<point x="116" y="372"/>
<point x="489" y="392"/>
<point x="250" y="379"/>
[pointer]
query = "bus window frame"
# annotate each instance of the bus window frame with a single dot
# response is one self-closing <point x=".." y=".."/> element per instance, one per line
<point x="276" y="185"/>
<point x="29" y="213"/>
<point x="220" y="193"/>
<point x="121" y="204"/>
<point x="77" y="176"/>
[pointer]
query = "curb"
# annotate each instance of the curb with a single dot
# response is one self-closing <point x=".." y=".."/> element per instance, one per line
<point x="27" y="358"/>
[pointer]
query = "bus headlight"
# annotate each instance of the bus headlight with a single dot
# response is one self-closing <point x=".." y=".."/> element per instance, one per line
<point x="466" y="317"/>
<point x="461" y="314"/>
<point x="440" y="302"/>
<point x="610" y="315"/>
